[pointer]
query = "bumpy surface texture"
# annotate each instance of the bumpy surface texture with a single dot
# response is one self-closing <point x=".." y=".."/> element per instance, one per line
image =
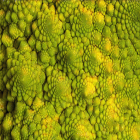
<point x="69" y="70"/>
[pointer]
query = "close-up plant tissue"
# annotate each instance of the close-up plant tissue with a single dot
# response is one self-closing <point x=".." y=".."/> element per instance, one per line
<point x="69" y="70"/>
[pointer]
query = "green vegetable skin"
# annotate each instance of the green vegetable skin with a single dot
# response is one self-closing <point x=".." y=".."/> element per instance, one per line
<point x="69" y="70"/>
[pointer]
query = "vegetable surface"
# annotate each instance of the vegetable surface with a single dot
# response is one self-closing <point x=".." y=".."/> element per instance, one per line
<point x="69" y="70"/>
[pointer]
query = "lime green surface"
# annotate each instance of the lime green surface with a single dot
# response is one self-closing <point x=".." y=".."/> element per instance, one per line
<point x="69" y="70"/>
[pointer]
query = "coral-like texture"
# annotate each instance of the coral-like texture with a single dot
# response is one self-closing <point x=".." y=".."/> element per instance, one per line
<point x="69" y="70"/>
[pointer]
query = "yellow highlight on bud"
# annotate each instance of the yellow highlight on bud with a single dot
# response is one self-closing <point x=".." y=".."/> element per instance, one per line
<point x="108" y="45"/>
<point x="90" y="86"/>
<point x="135" y="134"/>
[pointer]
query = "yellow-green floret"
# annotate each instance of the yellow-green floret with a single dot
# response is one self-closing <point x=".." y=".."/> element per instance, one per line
<point x="41" y="122"/>
<point x="58" y="90"/>
<point x="70" y="54"/>
<point x="75" y="124"/>
<point x="24" y="78"/>
<point x="86" y="90"/>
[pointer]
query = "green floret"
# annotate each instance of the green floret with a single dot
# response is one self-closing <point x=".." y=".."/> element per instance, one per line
<point x="66" y="8"/>
<point x="15" y="133"/>
<point x="101" y="6"/>
<point x="7" y="122"/>
<point x="49" y="26"/>
<point x="29" y="18"/>
<point x="37" y="103"/>
<point x="108" y="21"/>
<point x="115" y="54"/>
<point x="107" y="88"/>
<point x="41" y="123"/>
<point x="28" y="116"/>
<point x="133" y="9"/>
<point x="89" y="4"/>
<point x="32" y="41"/>
<point x="2" y="15"/>
<point x="24" y="132"/>
<point x="106" y="32"/>
<point x="112" y="115"/>
<point x="44" y="57"/>
<point x="29" y="10"/>
<point x="7" y="17"/>
<point x="92" y="59"/>
<point x="119" y="81"/>
<point x="116" y="65"/>
<point x="134" y="131"/>
<point x="132" y="86"/>
<point x="82" y="22"/>
<point x="110" y="9"/>
<point x="22" y="25"/>
<point x="85" y="22"/>
<point x="125" y="104"/>
<point x="46" y="54"/>
<point x="112" y="137"/>
<point x="95" y="38"/>
<point x="76" y="123"/>
<point x="98" y="21"/>
<point x="86" y="90"/>
<point x="21" y="76"/>
<point x="106" y="46"/>
<point x="52" y="27"/>
<point x="126" y="65"/>
<point x="70" y="56"/>
<point x="19" y="112"/>
<point x="114" y="39"/>
<point x="14" y="31"/>
<point x="107" y="67"/>
<point x="23" y="48"/>
<point x="6" y="39"/>
<point x="58" y="90"/>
